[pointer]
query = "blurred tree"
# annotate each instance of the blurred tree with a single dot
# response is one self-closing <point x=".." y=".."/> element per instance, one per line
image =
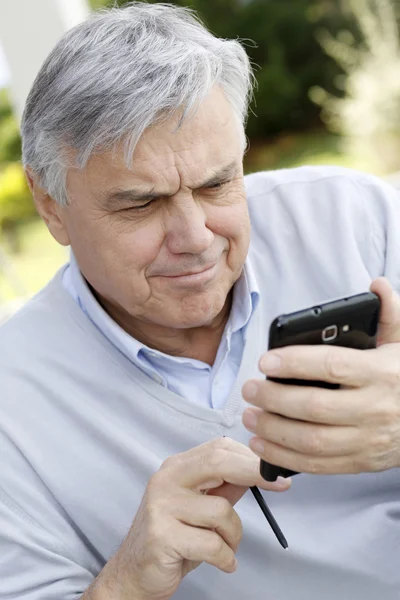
<point x="367" y="111"/>
<point x="287" y="56"/>
<point x="15" y="199"/>
<point x="16" y="202"/>
<point x="10" y="141"/>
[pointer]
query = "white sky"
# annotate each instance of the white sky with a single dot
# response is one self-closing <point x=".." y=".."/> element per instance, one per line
<point x="4" y="72"/>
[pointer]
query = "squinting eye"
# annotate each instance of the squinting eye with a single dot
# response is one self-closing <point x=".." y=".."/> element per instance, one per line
<point x="141" y="207"/>
<point x="217" y="186"/>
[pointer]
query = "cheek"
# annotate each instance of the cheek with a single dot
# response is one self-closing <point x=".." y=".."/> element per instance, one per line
<point x="117" y="253"/>
<point x="138" y="248"/>
<point x="233" y="223"/>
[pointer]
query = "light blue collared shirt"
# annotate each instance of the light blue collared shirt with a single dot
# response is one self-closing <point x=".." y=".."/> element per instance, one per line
<point x="192" y="379"/>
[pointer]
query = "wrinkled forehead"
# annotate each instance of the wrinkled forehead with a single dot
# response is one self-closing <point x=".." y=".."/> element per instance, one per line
<point x="170" y="153"/>
<point x="206" y="142"/>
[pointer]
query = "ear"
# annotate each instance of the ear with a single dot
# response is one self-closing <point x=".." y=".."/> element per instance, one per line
<point x="50" y="211"/>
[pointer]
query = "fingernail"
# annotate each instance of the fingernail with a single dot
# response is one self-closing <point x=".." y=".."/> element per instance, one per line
<point x="270" y="363"/>
<point x="249" y="390"/>
<point x="283" y="482"/>
<point x="250" y="419"/>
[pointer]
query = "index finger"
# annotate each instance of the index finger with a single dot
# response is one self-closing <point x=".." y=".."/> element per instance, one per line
<point x="333" y="364"/>
<point x="217" y="462"/>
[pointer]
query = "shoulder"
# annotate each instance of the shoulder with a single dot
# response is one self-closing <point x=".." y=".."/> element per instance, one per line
<point x="296" y="179"/>
<point x="48" y="325"/>
<point x="343" y="220"/>
<point x="50" y="344"/>
<point x="315" y="198"/>
<point x="29" y="322"/>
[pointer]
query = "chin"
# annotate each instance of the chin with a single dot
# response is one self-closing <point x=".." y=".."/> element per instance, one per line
<point x="195" y="312"/>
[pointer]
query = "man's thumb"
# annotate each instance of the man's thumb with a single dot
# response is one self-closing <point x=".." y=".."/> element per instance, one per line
<point x="389" y="322"/>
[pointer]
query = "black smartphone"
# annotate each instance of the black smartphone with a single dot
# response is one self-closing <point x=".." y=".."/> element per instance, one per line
<point x="351" y="322"/>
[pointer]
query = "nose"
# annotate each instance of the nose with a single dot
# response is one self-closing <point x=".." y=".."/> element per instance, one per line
<point x="186" y="228"/>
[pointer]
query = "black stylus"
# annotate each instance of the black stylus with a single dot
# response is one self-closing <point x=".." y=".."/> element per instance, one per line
<point x="269" y="516"/>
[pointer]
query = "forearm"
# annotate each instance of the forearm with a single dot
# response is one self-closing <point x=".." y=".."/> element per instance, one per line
<point x="100" y="590"/>
<point x="109" y="586"/>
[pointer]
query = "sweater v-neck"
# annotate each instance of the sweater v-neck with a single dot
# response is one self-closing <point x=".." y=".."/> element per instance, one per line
<point x="227" y="416"/>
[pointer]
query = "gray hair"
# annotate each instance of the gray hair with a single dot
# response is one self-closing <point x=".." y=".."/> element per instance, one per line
<point x="117" y="73"/>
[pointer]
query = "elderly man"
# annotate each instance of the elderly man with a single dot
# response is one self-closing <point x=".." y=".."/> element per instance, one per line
<point x="126" y="382"/>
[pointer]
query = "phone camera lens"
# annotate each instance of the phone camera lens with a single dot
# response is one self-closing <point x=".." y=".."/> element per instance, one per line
<point x="330" y="333"/>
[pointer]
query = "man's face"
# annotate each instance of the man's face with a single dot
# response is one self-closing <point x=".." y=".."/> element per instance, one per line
<point x="164" y="243"/>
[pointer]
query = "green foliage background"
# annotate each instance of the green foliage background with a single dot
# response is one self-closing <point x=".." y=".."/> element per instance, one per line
<point x="287" y="56"/>
<point x="15" y="200"/>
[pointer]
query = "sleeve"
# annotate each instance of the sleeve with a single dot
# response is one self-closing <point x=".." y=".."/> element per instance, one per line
<point x="382" y="203"/>
<point x="34" y="565"/>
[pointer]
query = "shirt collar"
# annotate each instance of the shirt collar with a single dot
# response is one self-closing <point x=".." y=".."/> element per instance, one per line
<point x="246" y="296"/>
<point x="99" y="317"/>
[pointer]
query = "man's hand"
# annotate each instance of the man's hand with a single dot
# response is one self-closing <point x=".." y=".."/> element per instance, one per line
<point x="350" y="430"/>
<point x="179" y="525"/>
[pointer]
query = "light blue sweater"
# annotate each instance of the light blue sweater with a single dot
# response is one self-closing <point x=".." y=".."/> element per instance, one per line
<point x="82" y="429"/>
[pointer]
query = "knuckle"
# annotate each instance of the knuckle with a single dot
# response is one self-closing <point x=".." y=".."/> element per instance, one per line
<point x="216" y="451"/>
<point x="271" y="401"/>
<point x="335" y="367"/>
<point x="216" y="546"/>
<point x="317" y="410"/>
<point x="388" y="413"/>
<point x="363" y="464"/>
<point x="224" y="443"/>
<point x="222" y="508"/>
<point x="355" y="464"/>
<point x="216" y="457"/>
<point x="315" y="443"/>
<point x="380" y="444"/>
<point x="312" y="466"/>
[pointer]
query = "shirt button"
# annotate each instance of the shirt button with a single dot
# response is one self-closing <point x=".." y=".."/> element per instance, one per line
<point x="157" y="378"/>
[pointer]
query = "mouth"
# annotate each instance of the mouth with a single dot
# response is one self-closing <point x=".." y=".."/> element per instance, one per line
<point x="190" y="273"/>
<point x="193" y="278"/>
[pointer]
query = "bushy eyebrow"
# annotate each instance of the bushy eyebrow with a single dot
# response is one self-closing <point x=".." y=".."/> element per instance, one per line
<point x="117" y="197"/>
